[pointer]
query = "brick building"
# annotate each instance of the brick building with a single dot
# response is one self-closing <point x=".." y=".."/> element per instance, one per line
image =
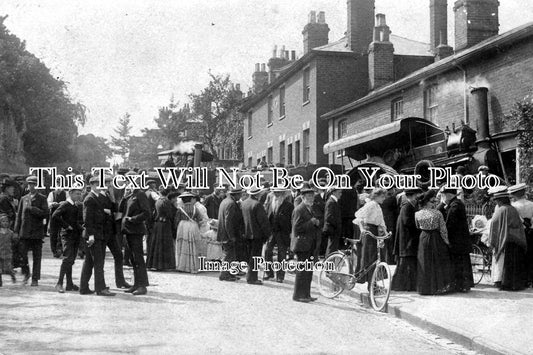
<point x="282" y="116"/>
<point x="434" y="113"/>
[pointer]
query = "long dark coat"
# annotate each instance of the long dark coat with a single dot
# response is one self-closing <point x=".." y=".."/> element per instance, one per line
<point x="407" y="235"/>
<point x="457" y="226"/>
<point x="230" y="222"/>
<point x="256" y="223"/>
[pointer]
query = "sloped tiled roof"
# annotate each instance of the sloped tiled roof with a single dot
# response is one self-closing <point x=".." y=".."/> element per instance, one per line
<point x="402" y="46"/>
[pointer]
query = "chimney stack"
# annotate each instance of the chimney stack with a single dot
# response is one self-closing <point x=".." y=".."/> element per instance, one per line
<point x="360" y="25"/>
<point x="380" y="55"/>
<point x="438" y="23"/>
<point x="315" y="33"/>
<point x="475" y="21"/>
<point x="276" y="62"/>
<point x="259" y="78"/>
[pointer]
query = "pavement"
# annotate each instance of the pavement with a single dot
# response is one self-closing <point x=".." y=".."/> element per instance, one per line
<point x="198" y="314"/>
<point x="485" y="319"/>
<point x="185" y="313"/>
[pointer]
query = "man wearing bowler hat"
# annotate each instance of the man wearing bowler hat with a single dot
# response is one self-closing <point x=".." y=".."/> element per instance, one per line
<point x="525" y="210"/>
<point x="32" y="211"/>
<point x="256" y="231"/>
<point x="230" y="226"/>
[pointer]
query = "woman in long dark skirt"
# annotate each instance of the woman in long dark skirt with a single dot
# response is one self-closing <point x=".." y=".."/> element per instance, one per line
<point x="161" y="250"/>
<point x="370" y="218"/>
<point x="434" y="271"/>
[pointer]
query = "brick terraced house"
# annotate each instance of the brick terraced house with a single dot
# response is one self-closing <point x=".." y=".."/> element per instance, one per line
<point x="282" y="117"/>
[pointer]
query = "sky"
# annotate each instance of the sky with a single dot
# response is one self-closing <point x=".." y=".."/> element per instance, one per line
<point x="133" y="56"/>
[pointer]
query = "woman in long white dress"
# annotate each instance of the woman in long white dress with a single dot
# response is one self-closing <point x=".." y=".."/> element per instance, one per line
<point x="188" y="218"/>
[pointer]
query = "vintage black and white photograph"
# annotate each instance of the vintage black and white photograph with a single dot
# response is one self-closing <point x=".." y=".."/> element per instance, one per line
<point x="266" y="177"/>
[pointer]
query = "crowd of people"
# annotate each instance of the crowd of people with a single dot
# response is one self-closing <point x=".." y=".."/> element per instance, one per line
<point x="430" y="245"/>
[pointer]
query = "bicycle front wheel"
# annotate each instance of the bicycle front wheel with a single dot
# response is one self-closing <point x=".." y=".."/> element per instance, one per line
<point x="380" y="286"/>
<point x="329" y="285"/>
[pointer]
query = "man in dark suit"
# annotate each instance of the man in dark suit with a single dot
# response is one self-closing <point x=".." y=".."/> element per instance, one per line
<point x="305" y="233"/>
<point x="68" y="217"/>
<point x="54" y="199"/>
<point x="32" y="210"/>
<point x="135" y="210"/>
<point x="230" y="225"/>
<point x="332" y="230"/>
<point x="212" y="201"/>
<point x="454" y="213"/>
<point x="110" y="233"/>
<point x="256" y="231"/>
<point x="279" y="213"/>
<point x="93" y="221"/>
<point x="319" y="208"/>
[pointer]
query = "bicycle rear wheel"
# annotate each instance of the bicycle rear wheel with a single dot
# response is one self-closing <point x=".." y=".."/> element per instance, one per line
<point x="328" y="285"/>
<point x="380" y="286"/>
<point x="477" y="259"/>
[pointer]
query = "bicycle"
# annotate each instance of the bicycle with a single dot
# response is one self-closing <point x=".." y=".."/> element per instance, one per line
<point x="345" y="275"/>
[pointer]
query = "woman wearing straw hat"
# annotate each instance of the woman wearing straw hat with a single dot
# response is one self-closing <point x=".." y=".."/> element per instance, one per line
<point x="188" y="234"/>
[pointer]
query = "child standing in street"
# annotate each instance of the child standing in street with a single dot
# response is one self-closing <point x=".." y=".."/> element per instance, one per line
<point x="6" y="254"/>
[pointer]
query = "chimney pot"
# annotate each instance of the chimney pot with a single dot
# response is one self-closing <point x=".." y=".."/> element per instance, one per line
<point x="322" y="17"/>
<point x="263" y="67"/>
<point x="275" y="51"/>
<point x="312" y="17"/>
<point x="256" y="67"/>
<point x="238" y="87"/>
<point x="380" y="20"/>
<point x="293" y="55"/>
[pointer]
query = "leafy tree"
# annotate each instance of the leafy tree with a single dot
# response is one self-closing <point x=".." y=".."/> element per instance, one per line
<point x="121" y="142"/>
<point x="172" y="122"/>
<point x="91" y="151"/>
<point x="521" y="119"/>
<point x="36" y="103"/>
<point x="216" y="106"/>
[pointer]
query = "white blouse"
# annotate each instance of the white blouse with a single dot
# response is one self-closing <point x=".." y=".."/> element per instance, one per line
<point x="371" y="213"/>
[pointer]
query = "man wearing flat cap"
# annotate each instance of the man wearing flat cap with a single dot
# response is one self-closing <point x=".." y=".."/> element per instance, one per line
<point x="525" y="210"/>
<point x="230" y="227"/>
<point x="32" y="211"/>
<point x="454" y="213"/>
<point x="256" y="231"/>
